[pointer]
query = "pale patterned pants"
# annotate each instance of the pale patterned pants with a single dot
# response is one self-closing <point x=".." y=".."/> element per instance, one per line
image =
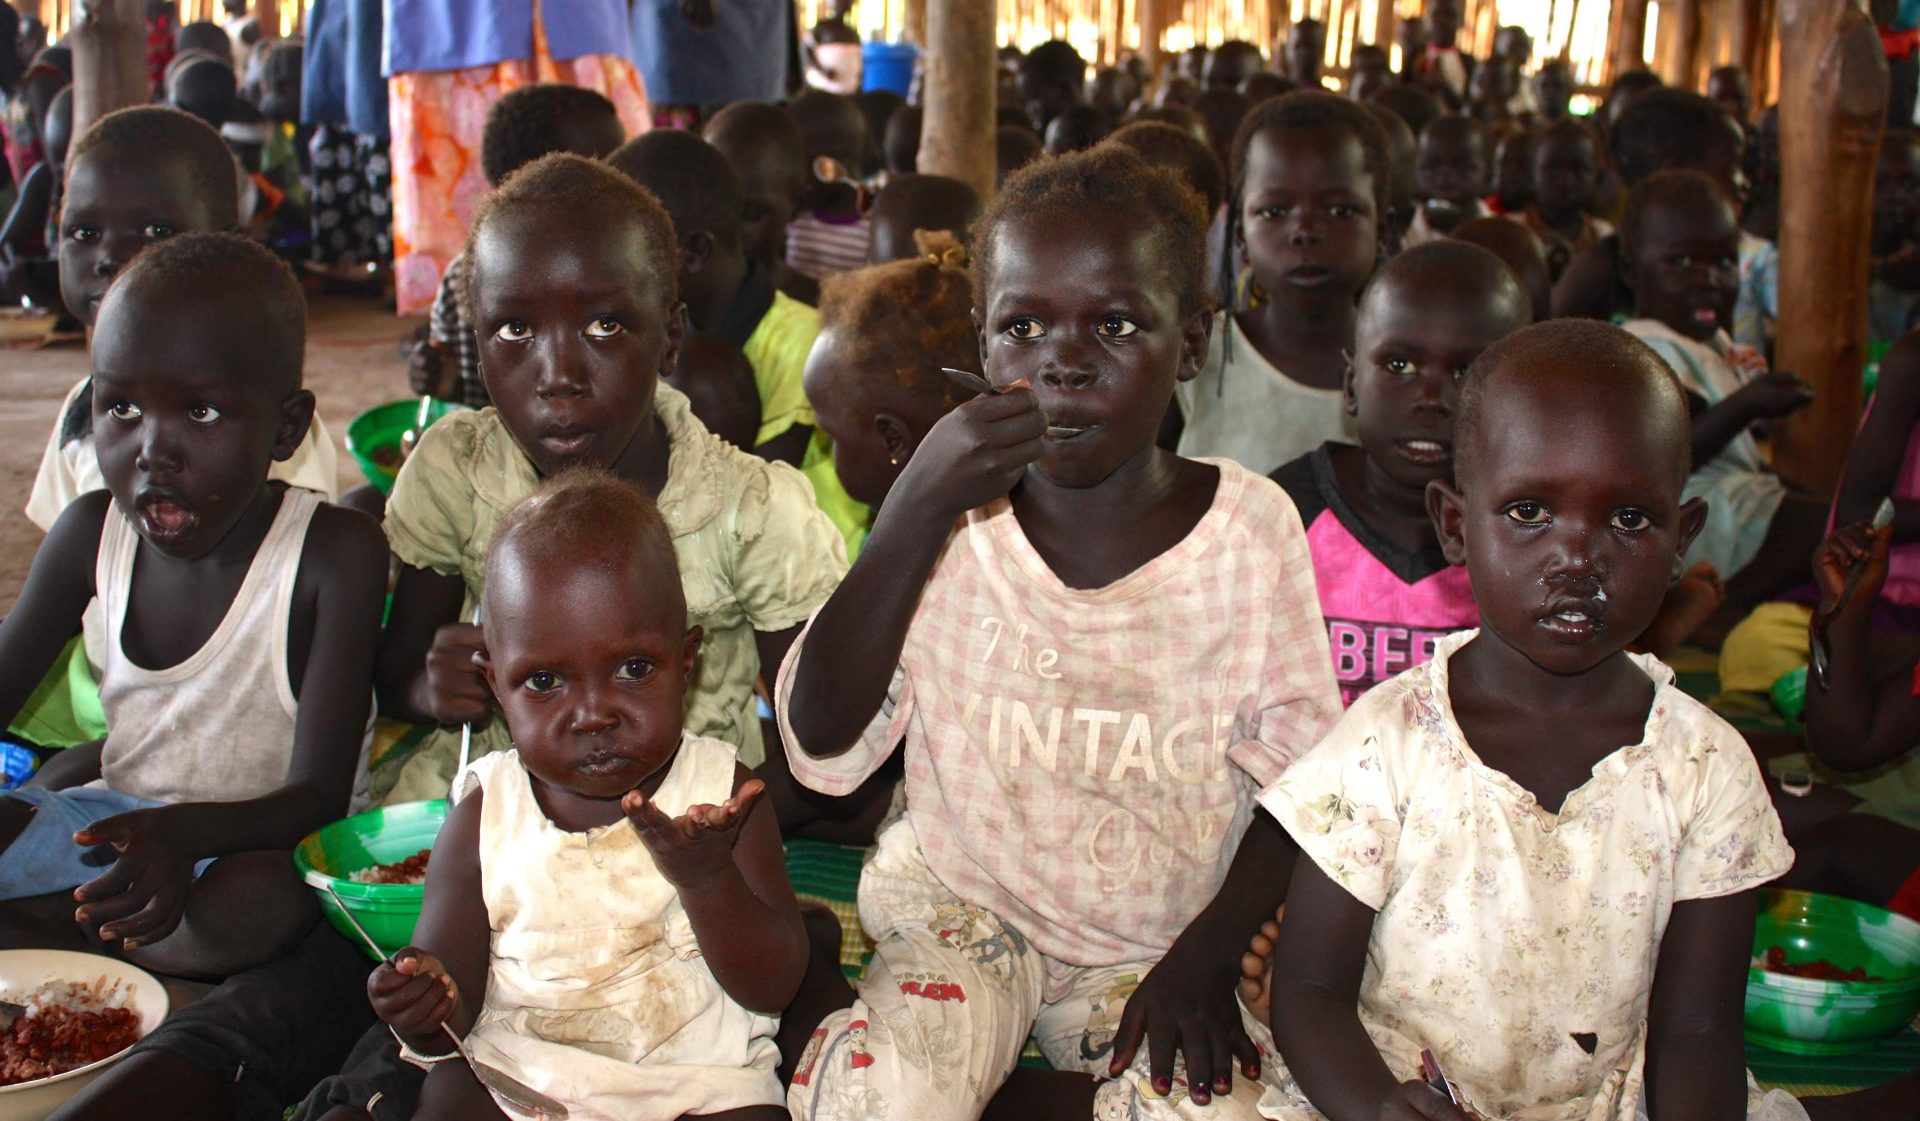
<point x="947" y="1006"/>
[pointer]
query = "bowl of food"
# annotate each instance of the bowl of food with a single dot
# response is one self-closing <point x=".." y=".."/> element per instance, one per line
<point x="376" y="864"/>
<point x="1829" y="976"/>
<point x="26" y="324"/>
<point x="68" y="1017"/>
<point x="376" y="437"/>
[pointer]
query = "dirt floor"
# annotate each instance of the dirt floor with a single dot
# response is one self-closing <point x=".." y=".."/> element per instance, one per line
<point x="353" y="363"/>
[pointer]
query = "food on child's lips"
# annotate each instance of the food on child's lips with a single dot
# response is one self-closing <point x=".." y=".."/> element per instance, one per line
<point x="65" y="1025"/>
<point x="1819" y="969"/>
<point x="412" y="870"/>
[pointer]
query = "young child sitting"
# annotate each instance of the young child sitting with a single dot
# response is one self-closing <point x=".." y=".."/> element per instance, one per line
<point x="764" y="146"/>
<point x="1476" y="829"/>
<point x="830" y="234"/>
<point x="910" y="203"/>
<point x="874" y="375"/>
<point x="1450" y="177"/>
<point x="1861" y="729"/>
<point x="523" y="125"/>
<point x="1387" y="592"/>
<point x="1093" y="650"/>
<point x="1310" y="184"/>
<point x="1679" y="247"/>
<point x="136" y="177"/>
<point x="1893" y="294"/>
<point x="573" y="373"/>
<point x="607" y="918"/>
<point x="240" y="618"/>
<point x="728" y="295"/>
<point x="1566" y="170"/>
<point x="1884" y="462"/>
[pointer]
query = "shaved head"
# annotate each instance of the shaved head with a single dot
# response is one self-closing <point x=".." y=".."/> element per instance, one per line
<point x="1583" y="363"/>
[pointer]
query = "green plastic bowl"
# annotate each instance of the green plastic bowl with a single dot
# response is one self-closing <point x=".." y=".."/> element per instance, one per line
<point x="1803" y="1016"/>
<point x="376" y="433"/>
<point x="1789" y="695"/>
<point x="326" y="857"/>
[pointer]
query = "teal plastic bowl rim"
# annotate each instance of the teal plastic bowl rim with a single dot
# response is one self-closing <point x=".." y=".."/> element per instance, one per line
<point x="1899" y="986"/>
<point x="400" y="896"/>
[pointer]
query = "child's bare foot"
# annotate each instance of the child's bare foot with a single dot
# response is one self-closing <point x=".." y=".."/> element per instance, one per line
<point x="1689" y="603"/>
<point x="1256" y="968"/>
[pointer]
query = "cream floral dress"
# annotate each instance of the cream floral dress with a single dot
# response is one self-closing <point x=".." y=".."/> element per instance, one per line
<point x="1519" y="944"/>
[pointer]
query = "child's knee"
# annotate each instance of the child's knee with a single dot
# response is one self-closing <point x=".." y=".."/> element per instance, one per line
<point x="853" y="1067"/>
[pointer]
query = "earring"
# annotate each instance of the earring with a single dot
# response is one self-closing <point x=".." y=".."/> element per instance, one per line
<point x="894" y="460"/>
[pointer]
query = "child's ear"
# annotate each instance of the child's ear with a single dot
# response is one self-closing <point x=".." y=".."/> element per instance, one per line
<point x="980" y="336"/>
<point x="485" y="661"/>
<point x="690" y="653"/>
<point x="1693" y="517"/>
<point x="676" y="331"/>
<point x="296" y="416"/>
<point x="1625" y="267"/>
<point x="897" y="437"/>
<point x="1196" y="335"/>
<point x="1348" y="398"/>
<point x="1448" y="510"/>
<point x="696" y="249"/>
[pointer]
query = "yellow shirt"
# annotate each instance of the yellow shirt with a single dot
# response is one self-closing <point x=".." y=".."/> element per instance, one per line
<point x="755" y="555"/>
<point x="777" y="350"/>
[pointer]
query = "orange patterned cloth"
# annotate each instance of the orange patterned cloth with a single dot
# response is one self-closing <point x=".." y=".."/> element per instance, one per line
<point x="438" y="116"/>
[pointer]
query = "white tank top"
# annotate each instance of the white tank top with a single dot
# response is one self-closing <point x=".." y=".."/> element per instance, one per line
<point x="597" y="992"/>
<point x="218" y="727"/>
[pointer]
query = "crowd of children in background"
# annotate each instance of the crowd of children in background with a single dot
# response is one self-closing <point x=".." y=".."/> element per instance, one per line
<point x="1254" y="477"/>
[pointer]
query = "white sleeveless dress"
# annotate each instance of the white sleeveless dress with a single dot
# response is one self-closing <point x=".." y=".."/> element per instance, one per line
<point x="597" y="993"/>
<point x="217" y="727"/>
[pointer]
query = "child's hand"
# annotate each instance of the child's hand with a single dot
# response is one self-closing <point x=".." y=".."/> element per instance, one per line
<point x="1848" y="546"/>
<point x="691" y="848"/>
<point x="1187" y="1003"/>
<point x="414" y="995"/>
<point x="427" y="374"/>
<point x="1774" y="395"/>
<point x="456" y="688"/>
<point x="139" y="900"/>
<point x="976" y="453"/>
<point x="1414" y="1100"/>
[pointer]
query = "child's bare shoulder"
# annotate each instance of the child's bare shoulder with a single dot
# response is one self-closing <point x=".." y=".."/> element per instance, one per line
<point x="73" y="544"/>
<point x="342" y="541"/>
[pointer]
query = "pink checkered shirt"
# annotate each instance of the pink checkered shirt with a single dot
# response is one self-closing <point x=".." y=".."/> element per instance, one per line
<point x="1083" y="763"/>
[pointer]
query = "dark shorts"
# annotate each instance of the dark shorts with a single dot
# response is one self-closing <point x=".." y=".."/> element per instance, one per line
<point x="275" y="1031"/>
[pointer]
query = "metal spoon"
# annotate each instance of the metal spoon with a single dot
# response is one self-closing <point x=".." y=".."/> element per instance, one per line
<point x="1820" y="652"/>
<point x="420" y="421"/>
<point x="979" y="384"/>
<point x="515" y="1092"/>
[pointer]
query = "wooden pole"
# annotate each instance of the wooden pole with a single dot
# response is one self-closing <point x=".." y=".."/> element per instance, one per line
<point x="1833" y="100"/>
<point x="267" y="14"/>
<point x="109" y="41"/>
<point x="1683" y="57"/>
<point x="1631" y="42"/>
<point x="1150" y="14"/>
<point x="1385" y="25"/>
<point x="958" y="139"/>
<point x="914" y="23"/>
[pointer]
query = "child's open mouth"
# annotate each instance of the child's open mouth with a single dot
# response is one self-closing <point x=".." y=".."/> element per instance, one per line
<point x="164" y="518"/>
<point x="1057" y="433"/>
<point x="1706" y="316"/>
<point x="1427" y="453"/>
<point x="1573" y="622"/>
<point x="1309" y="276"/>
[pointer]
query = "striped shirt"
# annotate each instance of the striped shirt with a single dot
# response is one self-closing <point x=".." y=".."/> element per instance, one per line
<point x="819" y="247"/>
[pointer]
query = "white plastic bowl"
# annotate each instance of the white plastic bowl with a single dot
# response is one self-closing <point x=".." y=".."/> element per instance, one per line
<point x="24" y="970"/>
